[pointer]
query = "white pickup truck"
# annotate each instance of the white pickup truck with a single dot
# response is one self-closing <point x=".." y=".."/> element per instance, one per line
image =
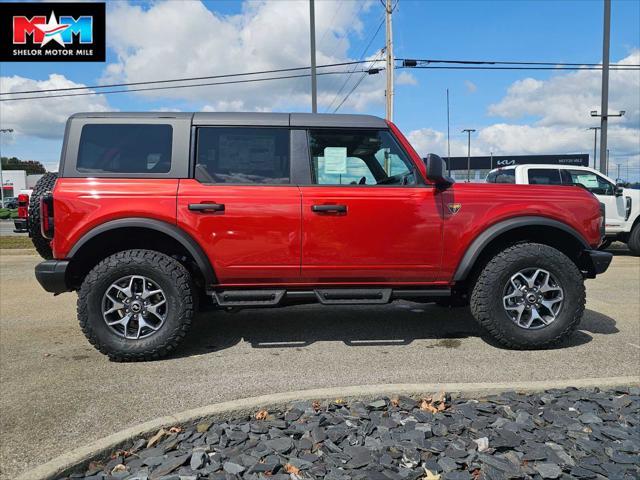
<point x="622" y="205"/>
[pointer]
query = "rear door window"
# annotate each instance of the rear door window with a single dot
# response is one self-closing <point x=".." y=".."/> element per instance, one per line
<point x="502" y="176"/>
<point x="125" y="148"/>
<point x="544" y="176"/>
<point x="243" y="155"/>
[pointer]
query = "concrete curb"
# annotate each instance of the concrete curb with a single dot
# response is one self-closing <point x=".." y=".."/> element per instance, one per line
<point x="80" y="457"/>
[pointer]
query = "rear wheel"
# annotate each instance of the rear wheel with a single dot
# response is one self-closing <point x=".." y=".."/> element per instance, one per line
<point x="136" y="305"/>
<point x="529" y="296"/>
<point x="44" y="185"/>
<point x="634" y="240"/>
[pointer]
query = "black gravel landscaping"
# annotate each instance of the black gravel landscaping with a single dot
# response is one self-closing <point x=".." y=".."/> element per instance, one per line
<point x="568" y="433"/>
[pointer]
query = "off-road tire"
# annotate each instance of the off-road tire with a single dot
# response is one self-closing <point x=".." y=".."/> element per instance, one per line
<point x="487" y="293"/>
<point x="634" y="240"/>
<point x="168" y="273"/>
<point x="44" y="185"/>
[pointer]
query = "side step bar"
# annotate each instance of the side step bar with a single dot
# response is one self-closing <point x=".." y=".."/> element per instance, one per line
<point x="325" y="296"/>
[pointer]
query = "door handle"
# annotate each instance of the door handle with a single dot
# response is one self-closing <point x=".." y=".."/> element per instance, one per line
<point x="206" y="207"/>
<point x="329" y="208"/>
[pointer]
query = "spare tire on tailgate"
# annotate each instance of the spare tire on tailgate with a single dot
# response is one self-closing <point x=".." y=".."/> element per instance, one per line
<point x="44" y="185"/>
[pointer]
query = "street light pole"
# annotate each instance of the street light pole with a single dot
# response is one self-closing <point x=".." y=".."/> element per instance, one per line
<point x="468" y="131"/>
<point x="605" y="83"/>
<point x="312" y="33"/>
<point x="595" y="143"/>
<point x="3" y="130"/>
<point x="603" y="136"/>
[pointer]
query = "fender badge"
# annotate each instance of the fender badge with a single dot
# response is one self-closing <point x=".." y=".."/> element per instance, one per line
<point x="454" y="207"/>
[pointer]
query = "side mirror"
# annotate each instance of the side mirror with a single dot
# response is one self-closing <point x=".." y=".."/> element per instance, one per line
<point x="617" y="190"/>
<point x="436" y="170"/>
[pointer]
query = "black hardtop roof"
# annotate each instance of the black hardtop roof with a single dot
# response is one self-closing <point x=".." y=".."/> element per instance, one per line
<point x="253" y="118"/>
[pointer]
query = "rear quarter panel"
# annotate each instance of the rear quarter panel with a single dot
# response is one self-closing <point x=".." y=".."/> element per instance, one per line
<point x="485" y="204"/>
<point x="81" y="204"/>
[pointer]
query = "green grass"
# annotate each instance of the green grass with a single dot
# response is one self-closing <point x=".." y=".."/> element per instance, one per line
<point x="15" y="242"/>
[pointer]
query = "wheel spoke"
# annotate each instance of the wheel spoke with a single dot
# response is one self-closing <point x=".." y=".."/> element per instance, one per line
<point x="532" y="298"/>
<point x="131" y="298"/>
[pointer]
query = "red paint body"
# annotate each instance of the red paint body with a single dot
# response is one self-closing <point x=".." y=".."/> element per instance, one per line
<point x="268" y="235"/>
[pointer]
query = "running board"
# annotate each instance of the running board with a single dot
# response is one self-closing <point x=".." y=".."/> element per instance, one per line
<point x="249" y="298"/>
<point x="326" y="296"/>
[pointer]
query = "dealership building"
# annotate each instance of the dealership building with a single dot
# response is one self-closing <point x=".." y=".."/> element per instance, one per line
<point x="477" y="168"/>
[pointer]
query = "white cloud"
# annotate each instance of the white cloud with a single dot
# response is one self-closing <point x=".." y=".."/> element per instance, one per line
<point x="471" y="87"/>
<point x="405" y="78"/>
<point x="185" y="39"/>
<point x="567" y="99"/>
<point x="561" y="106"/>
<point x="44" y="118"/>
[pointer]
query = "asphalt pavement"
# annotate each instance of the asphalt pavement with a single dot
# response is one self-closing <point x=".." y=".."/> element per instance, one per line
<point x="6" y="228"/>
<point x="58" y="393"/>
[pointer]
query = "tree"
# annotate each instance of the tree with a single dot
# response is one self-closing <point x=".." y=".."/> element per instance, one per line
<point x="31" y="166"/>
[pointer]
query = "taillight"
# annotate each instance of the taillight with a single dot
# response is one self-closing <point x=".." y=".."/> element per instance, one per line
<point x="23" y="205"/>
<point x="46" y="216"/>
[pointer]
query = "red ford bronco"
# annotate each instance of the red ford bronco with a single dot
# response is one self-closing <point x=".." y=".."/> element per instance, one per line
<point x="153" y="214"/>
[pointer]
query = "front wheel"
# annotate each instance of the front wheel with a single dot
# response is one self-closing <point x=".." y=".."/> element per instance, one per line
<point x="529" y="296"/>
<point x="136" y="305"/>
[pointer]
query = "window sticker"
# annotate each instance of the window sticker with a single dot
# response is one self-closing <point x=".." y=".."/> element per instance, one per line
<point x="335" y="160"/>
<point x="589" y="181"/>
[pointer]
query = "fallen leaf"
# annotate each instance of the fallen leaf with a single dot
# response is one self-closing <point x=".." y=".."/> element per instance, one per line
<point x="261" y="414"/>
<point x="427" y="406"/>
<point x="175" y="429"/>
<point x="118" y="468"/>
<point x="291" y="469"/>
<point x="316" y="406"/>
<point x="395" y="402"/>
<point x="203" y="427"/>
<point x="153" y="441"/>
<point x="429" y="475"/>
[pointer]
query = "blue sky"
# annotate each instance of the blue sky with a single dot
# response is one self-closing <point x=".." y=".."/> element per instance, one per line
<point x="562" y="31"/>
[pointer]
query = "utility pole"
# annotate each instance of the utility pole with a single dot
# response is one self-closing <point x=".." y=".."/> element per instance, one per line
<point x="607" y="167"/>
<point x="605" y="83"/>
<point x="312" y="32"/>
<point x="3" y="130"/>
<point x="389" y="60"/>
<point x="595" y="143"/>
<point x="469" y="131"/>
<point x="448" y="137"/>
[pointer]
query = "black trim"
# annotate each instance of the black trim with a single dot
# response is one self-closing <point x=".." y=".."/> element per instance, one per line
<point x="51" y="274"/>
<point x="176" y="233"/>
<point x="300" y="165"/>
<point x="20" y="225"/>
<point x="597" y="261"/>
<point x="482" y="240"/>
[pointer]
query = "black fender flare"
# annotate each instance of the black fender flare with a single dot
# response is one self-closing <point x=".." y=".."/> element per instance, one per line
<point x="481" y="241"/>
<point x="182" y="237"/>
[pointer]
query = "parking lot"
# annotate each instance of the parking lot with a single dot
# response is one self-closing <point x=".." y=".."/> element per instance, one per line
<point x="59" y="393"/>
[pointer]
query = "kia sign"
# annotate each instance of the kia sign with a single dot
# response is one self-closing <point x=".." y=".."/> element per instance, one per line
<point x="497" y="161"/>
<point x="52" y="32"/>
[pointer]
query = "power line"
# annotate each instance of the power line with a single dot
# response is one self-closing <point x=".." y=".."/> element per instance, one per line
<point x="470" y="67"/>
<point x="376" y="59"/>
<point x="362" y="55"/>
<point x="505" y="62"/>
<point x="420" y="64"/>
<point x="170" y="87"/>
<point x="185" y="79"/>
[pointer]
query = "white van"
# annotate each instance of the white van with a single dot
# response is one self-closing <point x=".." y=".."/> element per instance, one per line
<point x="622" y="205"/>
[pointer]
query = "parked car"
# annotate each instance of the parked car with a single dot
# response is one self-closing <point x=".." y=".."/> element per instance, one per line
<point x="20" y="223"/>
<point x="622" y="204"/>
<point x="10" y="202"/>
<point x="154" y="214"/>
